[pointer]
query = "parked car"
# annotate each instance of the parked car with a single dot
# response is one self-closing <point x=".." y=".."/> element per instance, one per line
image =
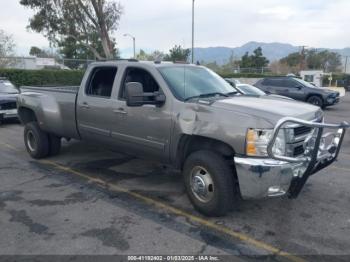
<point x="298" y="89"/>
<point x="227" y="146"/>
<point x="232" y="82"/>
<point x="249" y="90"/>
<point x="8" y="96"/>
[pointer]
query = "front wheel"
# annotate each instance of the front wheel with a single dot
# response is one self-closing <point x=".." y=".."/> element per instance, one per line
<point x="36" y="141"/>
<point x="209" y="182"/>
<point x="315" y="100"/>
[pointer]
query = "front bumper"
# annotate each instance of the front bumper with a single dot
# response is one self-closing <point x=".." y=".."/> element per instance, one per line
<point x="280" y="175"/>
<point x="10" y="113"/>
<point x="261" y="178"/>
<point x="332" y="101"/>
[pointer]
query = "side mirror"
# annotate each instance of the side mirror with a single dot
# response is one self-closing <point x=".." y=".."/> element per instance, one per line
<point x="134" y="94"/>
<point x="136" y="97"/>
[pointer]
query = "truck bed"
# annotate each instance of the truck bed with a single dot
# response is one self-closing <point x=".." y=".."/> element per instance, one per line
<point x="62" y="89"/>
<point x="54" y="107"/>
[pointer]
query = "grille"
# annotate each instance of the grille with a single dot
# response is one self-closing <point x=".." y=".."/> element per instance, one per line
<point x="298" y="150"/>
<point x="7" y="106"/>
<point x="301" y="130"/>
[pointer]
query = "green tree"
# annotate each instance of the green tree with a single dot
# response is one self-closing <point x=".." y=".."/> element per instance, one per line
<point x="77" y="25"/>
<point x="256" y="60"/>
<point x="292" y="59"/>
<point x="177" y="53"/>
<point x="38" y="52"/>
<point x="325" y="60"/>
<point x="246" y="61"/>
<point x="155" y="55"/>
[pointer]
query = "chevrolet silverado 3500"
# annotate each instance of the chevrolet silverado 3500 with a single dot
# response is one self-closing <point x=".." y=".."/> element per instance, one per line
<point x="228" y="146"/>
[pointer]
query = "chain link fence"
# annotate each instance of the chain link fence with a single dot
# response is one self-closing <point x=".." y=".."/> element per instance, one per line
<point x="251" y="70"/>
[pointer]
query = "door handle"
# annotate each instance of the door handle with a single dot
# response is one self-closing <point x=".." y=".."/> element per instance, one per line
<point x="85" y="105"/>
<point x="120" y="111"/>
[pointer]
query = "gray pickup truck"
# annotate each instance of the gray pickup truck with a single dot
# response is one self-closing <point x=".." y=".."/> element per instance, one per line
<point x="228" y="146"/>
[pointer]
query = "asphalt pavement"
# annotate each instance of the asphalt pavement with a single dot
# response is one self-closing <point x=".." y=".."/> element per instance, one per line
<point x="90" y="201"/>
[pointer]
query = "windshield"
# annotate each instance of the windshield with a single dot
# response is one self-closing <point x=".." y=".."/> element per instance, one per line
<point x="7" y="87"/>
<point x="307" y="84"/>
<point x="250" y="90"/>
<point x="189" y="81"/>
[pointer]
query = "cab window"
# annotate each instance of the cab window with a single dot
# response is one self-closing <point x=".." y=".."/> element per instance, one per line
<point x="101" y="82"/>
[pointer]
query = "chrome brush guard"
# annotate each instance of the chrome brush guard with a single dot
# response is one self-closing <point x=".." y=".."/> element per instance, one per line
<point x="320" y="149"/>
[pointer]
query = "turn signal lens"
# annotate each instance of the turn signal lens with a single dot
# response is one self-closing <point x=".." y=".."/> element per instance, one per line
<point x="250" y="146"/>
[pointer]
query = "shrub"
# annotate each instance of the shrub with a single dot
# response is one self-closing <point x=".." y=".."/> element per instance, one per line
<point x="44" y="77"/>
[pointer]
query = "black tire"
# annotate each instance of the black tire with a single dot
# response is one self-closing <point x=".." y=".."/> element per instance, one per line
<point x="54" y="145"/>
<point x="36" y="141"/>
<point x="223" y="191"/>
<point x="315" y="100"/>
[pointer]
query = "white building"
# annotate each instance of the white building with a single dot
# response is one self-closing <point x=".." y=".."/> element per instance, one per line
<point x="313" y="76"/>
<point x="33" y="63"/>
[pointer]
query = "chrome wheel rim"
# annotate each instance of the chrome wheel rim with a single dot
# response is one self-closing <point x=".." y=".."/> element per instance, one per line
<point x="31" y="141"/>
<point x="202" y="185"/>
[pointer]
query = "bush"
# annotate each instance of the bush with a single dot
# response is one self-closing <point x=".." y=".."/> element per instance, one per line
<point x="44" y="77"/>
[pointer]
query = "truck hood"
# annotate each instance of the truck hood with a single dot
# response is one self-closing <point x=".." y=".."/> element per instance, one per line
<point x="5" y="97"/>
<point x="269" y="108"/>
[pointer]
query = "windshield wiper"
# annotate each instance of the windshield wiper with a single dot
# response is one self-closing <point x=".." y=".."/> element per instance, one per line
<point x="207" y="95"/>
<point x="233" y="93"/>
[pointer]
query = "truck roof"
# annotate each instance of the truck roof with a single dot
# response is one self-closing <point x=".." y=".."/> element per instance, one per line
<point x="134" y="62"/>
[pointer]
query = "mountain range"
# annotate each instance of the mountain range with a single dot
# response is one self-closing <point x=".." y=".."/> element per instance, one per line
<point x="273" y="51"/>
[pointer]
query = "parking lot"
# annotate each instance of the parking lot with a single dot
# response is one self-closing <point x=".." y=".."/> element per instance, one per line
<point x="91" y="201"/>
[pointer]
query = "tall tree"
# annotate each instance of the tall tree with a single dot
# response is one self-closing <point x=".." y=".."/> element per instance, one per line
<point x="7" y="47"/>
<point x="177" y="53"/>
<point x="155" y="55"/>
<point x="246" y="61"/>
<point x="325" y="60"/>
<point x="256" y="60"/>
<point x="38" y="52"/>
<point x="292" y="59"/>
<point x="88" y="22"/>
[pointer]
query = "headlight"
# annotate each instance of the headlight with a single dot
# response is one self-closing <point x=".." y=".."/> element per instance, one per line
<point x="258" y="139"/>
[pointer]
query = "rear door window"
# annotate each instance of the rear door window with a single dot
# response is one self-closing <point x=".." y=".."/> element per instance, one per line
<point x="101" y="82"/>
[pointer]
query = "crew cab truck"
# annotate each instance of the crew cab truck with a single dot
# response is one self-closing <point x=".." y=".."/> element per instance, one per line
<point x="227" y="145"/>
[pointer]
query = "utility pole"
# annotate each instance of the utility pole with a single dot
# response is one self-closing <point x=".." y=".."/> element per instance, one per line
<point x="192" y="52"/>
<point x="346" y="63"/>
<point x="133" y="41"/>
<point x="302" y="58"/>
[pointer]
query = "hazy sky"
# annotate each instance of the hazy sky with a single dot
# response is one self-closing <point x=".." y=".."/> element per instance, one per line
<point x="159" y="24"/>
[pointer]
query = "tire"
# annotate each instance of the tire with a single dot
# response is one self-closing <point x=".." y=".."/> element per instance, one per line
<point x="36" y="141"/>
<point x="54" y="145"/>
<point x="221" y="194"/>
<point x="315" y="100"/>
